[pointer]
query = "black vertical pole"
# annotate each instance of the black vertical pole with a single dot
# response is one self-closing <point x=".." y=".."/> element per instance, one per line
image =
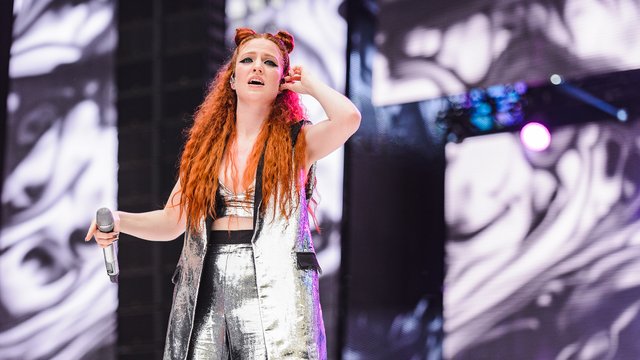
<point x="343" y="281"/>
<point x="6" y="36"/>
<point x="157" y="115"/>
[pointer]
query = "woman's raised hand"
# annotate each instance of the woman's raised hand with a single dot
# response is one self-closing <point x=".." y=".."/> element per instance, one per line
<point x="299" y="80"/>
<point x="104" y="239"/>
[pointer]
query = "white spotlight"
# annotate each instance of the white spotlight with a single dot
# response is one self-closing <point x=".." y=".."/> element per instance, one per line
<point x="622" y="115"/>
<point x="556" y="79"/>
<point x="535" y="136"/>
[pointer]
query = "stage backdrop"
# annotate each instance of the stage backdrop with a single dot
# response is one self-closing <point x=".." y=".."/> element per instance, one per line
<point x="439" y="47"/>
<point x="543" y="250"/>
<point x="56" y="301"/>
<point x="423" y="51"/>
<point x="320" y="33"/>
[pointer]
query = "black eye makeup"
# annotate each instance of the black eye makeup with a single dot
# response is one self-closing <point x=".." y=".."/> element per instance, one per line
<point x="269" y="61"/>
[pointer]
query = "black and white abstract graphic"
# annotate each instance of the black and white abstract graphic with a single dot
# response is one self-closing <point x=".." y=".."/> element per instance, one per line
<point x="543" y="252"/>
<point x="56" y="301"/>
<point x="427" y="49"/>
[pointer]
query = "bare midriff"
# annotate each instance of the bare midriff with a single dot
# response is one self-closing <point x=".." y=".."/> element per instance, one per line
<point x="233" y="223"/>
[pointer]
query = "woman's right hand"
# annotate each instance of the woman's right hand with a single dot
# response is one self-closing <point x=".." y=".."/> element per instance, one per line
<point x="104" y="239"/>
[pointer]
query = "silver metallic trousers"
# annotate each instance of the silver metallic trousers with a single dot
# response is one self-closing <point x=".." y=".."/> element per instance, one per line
<point x="227" y="321"/>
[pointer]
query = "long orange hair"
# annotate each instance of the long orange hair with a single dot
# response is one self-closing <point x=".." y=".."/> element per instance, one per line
<point x="214" y="130"/>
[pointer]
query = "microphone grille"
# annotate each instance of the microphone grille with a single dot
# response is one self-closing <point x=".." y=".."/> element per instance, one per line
<point x="104" y="220"/>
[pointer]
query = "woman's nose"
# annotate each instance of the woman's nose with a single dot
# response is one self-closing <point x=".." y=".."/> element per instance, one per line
<point x="257" y="68"/>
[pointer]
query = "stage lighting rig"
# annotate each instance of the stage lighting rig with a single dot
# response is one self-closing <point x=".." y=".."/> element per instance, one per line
<point x="483" y="111"/>
<point x="619" y="113"/>
<point x="509" y="107"/>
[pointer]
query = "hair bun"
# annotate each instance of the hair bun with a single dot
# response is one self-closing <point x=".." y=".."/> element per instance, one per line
<point x="242" y="34"/>
<point x="287" y="40"/>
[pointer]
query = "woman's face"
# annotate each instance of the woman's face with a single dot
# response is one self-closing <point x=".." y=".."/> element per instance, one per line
<point x="258" y="70"/>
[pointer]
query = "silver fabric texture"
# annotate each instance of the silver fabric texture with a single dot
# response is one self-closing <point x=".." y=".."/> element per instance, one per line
<point x="240" y="205"/>
<point x="227" y="319"/>
<point x="288" y="298"/>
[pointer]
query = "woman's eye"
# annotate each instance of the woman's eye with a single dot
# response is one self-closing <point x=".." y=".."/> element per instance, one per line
<point x="271" y="63"/>
<point x="246" y="60"/>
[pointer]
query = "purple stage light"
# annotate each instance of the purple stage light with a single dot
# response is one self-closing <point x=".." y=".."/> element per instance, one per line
<point x="535" y="136"/>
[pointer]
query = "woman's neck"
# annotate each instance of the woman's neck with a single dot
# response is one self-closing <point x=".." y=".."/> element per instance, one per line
<point x="249" y="120"/>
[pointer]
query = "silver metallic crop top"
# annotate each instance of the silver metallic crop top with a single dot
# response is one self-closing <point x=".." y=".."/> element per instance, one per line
<point x="232" y="204"/>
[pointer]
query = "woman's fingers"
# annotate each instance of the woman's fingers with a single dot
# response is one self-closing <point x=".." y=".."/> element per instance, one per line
<point x="92" y="230"/>
<point x="106" y="239"/>
<point x="292" y="82"/>
<point x="291" y="78"/>
<point x="295" y="71"/>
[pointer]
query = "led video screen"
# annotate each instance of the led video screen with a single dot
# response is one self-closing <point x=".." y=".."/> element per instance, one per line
<point x="543" y="249"/>
<point x="427" y="49"/>
<point x="60" y="164"/>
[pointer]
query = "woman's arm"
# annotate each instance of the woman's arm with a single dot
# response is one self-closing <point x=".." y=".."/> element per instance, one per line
<point x="158" y="225"/>
<point x="343" y="116"/>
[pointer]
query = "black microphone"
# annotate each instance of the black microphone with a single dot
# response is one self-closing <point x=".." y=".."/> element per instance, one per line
<point x="104" y="220"/>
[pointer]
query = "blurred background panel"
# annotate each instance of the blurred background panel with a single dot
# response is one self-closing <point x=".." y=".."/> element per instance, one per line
<point x="544" y="243"/>
<point x="447" y="47"/>
<point x="60" y="161"/>
<point x="541" y="240"/>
